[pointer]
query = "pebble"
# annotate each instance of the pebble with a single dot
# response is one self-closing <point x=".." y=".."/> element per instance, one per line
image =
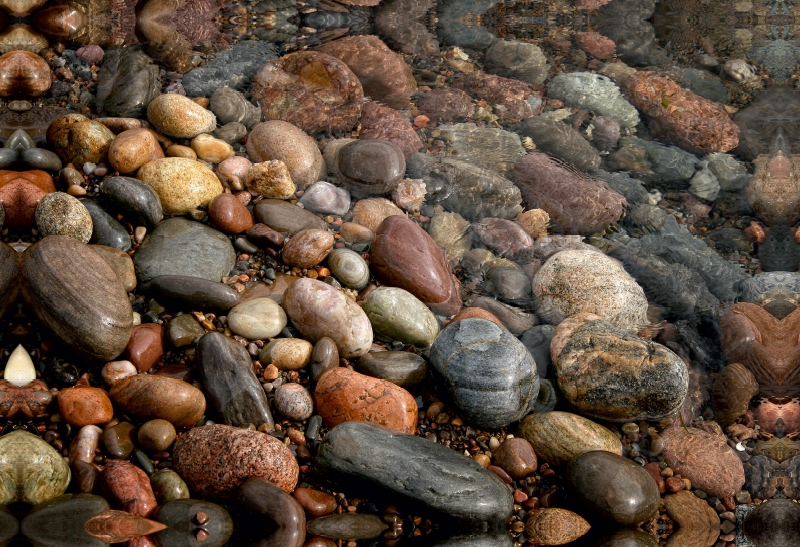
<point x="155" y="436"/>
<point x="698" y="523"/>
<point x="105" y="228"/>
<point x="278" y="140"/>
<point x="284" y="217"/>
<point x="371" y="212"/>
<point x="255" y="455"/>
<point x="352" y="232"/>
<point x="270" y="179"/>
<point x="307" y="248"/>
<point x="180" y="517"/>
<point x="593" y="92"/>
<point x="168" y="486"/>
<point x="78" y="140"/>
<point x="352" y="526"/>
<point x="211" y="149"/>
<point x="371" y="166"/>
<point x="773" y="522"/>
<point x="325" y="198"/>
<point x="294" y="402"/>
<point x="233" y="67"/>
<point x="557" y="437"/>
<point x="516" y="457"/>
<point x="61" y="214"/>
<point x="180" y="117"/>
<point x="405" y="369"/>
<point x="182" y="291"/>
<point x="80" y="406"/>
<point x="114" y="371"/>
<point x="19" y="370"/>
<point x="228" y="214"/>
<point x="396" y="314"/>
<point x="349" y="268"/>
<point x="315" y="502"/>
<point x="131" y="487"/>
<point x="316" y="309"/>
<point x="257" y="319"/>
<point x="146" y="346"/>
<point x="133" y="148"/>
<point x="118" y="440"/>
<point x="229" y="105"/>
<point x="134" y="199"/>
<point x="409" y="195"/>
<point x="181" y="184"/>
<point x="148" y="396"/>
<point x="272" y="514"/>
<point x="183" y="330"/>
<point x="287" y="353"/>
<point x="554" y="526"/>
<point x="28" y="483"/>
<point x="518" y="60"/>
<point x="127" y="82"/>
<point x="180" y="151"/>
<point x="612" y="487"/>
<point x="324" y="357"/>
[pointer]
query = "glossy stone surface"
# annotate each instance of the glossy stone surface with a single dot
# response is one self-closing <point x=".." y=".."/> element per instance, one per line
<point x="149" y="396"/>
<point x="32" y="471"/>
<point x="396" y="314"/>
<point x="402" y="368"/>
<point x="557" y="436"/>
<point x="285" y="217"/>
<point x="82" y="406"/>
<point x="180" y="518"/>
<point x="371" y="166"/>
<point x="487" y="373"/>
<point x="258" y="318"/>
<point x="516" y="457"/>
<point x="133" y="148"/>
<point x="307" y="248"/>
<point x="79" y="140"/>
<point x="168" y="486"/>
<point x="182" y="292"/>
<point x="315" y="503"/>
<point x="178" y="116"/>
<point x="274" y="516"/>
<point x="409" y="471"/>
<point x="613" y="487"/>
<point x="146" y="346"/>
<point x="773" y="523"/>
<point x="134" y="199"/>
<point x="349" y="268"/>
<point x="229" y="214"/>
<point x="23" y="73"/>
<point x="118" y="440"/>
<point x="106" y="230"/>
<point x="233" y="389"/>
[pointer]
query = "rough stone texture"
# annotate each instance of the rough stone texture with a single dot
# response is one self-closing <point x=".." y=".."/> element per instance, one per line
<point x="343" y="395"/>
<point x="182" y="247"/>
<point x="279" y="140"/>
<point x="688" y="120"/>
<point x="414" y="474"/>
<point x="485" y="371"/>
<point x="704" y="459"/>
<point x="594" y="93"/>
<point x="519" y="99"/>
<point x="561" y="141"/>
<point x="401" y="25"/>
<point x="61" y="214"/>
<point x="34" y="472"/>
<point x="151" y="396"/>
<point x="557" y="437"/>
<point x="517" y="60"/>
<point x="381" y="122"/>
<point x="698" y="523"/>
<point x="596" y="45"/>
<point x="78" y="140"/>
<point x="131" y="486"/>
<point x="233" y="389"/>
<point x="215" y="460"/>
<point x="609" y="374"/>
<point x="574" y="281"/>
<point x="445" y="105"/>
<point x="271" y="179"/>
<point x="182" y="184"/>
<point x="234" y="67"/>
<point x="312" y="90"/>
<point x="774" y="188"/>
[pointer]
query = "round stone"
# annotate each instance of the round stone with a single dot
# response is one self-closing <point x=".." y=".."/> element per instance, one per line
<point x="279" y="140"/>
<point x="168" y="486"/>
<point x="133" y="148"/>
<point x="516" y="457"/>
<point x="80" y="406"/>
<point x="294" y="402"/>
<point x="257" y="319"/>
<point x="287" y="353"/>
<point x="211" y="149"/>
<point x="181" y="184"/>
<point x="323" y="197"/>
<point x="180" y="117"/>
<point x="156" y="435"/>
<point x="61" y="214"/>
<point x="349" y="268"/>
<point x="396" y="314"/>
<point x="229" y="214"/>
<point x="371" y="166"/>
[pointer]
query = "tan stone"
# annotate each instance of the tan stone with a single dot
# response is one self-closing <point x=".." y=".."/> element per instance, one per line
<point x="181" y="184"/>
<point x="180" y="117"/>
<point x="271" y="179"/>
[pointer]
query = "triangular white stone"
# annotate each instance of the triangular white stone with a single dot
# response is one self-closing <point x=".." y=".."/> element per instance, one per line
<point x="19" y="369"/>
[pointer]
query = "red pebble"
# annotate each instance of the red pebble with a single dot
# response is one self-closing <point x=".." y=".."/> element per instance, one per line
<point x="674" y="484"/>
<point x="655" y="471"/>
<point x="131" y="486"/>
<point x="520" y="496"/>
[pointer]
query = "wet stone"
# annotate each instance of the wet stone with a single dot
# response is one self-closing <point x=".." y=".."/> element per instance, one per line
<point x="323" y="197"/>
<point x="233" y="68"/>
<point x="272" y="515"/>
<point x="557" y="437"/>
<point x="121" y="263"/>
<point x="371" y="166"/>
<point x="106" y="230"/>
<point x="516" y="457"/>
<point x="118" y="440"/>
<point x="146" y="346"/>
<point x="133" y="198"/>
<point x="168" y="486"/>
<point x="403" y="368"/>
<point x="182" y="292"/>
<point x="180" y="517"/>
<point x="294" y="402"/>
<point x="396" y="314"/>
<point x="183" y="330"/>
<point x="285" y="217"/>
<point x="63" y="518"/>
<point x="324" y="357"/>
<point x="156" y="435"/>
<point x="127" y="82"/>
<point x="315" y="502"/>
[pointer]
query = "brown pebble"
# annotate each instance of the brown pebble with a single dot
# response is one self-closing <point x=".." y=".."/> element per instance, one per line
<point x="474" y="312"/>
<point x="308" y="248"/>
<point x="674" y="484"/>
<point x="201" y="518"/>
<point x="654" y="470"/>
<point x="229" y="214"/>
<point x="315" y="502"/>
<point x="146" y="346"/>
<point x="516" y="457"/>
<point x="80" y="406"/>
<point x="133" y="148"/>
<point x="502" y="475"/>
<point x="180" y="151"/>
<point x="156" y="435"/>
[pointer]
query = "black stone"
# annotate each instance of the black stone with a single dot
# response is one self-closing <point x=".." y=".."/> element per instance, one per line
<point x="105" y="228"/>
<point x="133" y="198"/>
<point x="275" y="519"/>
<point x="184" y="292"/>
<point x="9" y="526"/>
<point x="774" y="523"/>
<point x="60" y="521"/>
<point x="414" y="474"/>
<point x="232" y="387"/>
<point x="180" y="518"/>
<point x="403" y="368"/>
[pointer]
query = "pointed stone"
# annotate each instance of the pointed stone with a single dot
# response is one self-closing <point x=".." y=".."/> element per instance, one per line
<point x="19" y="368"/>
<point x="113" y="526"/>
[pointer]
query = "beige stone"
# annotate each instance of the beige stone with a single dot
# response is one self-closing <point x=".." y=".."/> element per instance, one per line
<point x="371" y="212"/>
<point x="180" y="117"/>
<point x="211" y="149"/>
<point x="271" y="179"/>
<point x="181" y="184"/>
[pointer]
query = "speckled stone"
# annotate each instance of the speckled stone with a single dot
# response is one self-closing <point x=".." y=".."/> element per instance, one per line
<point x="78" y="140"/>
<point x="287" y="353"/>
<point x="487" y="373"/>
<point x="131" y="487"/>
<point x="396" y="314"/>
<point x="279" y="140"/>
<point x="573" y="281"/>
<point x="271" y="179"/>
<point x="181" y="184"/>
<point x="133" y="148"/>
<point x="557" y="437"/>
<point x="215" y="460"/>
<point x="294" y="402"/>
<point x="178" y="116"/>
<point x="61" y="214"/>
<point x="257" y="319"/>
<point x="348" y="526"/>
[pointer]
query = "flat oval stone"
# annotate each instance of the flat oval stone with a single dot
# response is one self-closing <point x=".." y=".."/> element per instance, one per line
<point x="146" y="346"/>
<point x="168" y="486"/>
<point x="372" y="211"/>
<point x="183" y="292"/>
<point x="238" y="455"/>
<point x="613" y="487"/>
<point x="183" y="330"/>
<point x="134" y="199"/>
<point x="233" y="389"/>
<point x="307" y="248"/>
<point x="155" y="435"/>
<point x="211" y="149"/>
<point x="285" y="217"/>
<point x="371" y="166"/>
<point x="106" y="230"/>
<point x="80" y="406"/>
<point x="131" y="487"/>
<point x="557" y="437"/>
<point x="350" y="526"/>
<point x="317" y="309"/>
<point x="257" y="319"/>
<point x="287" y="353"/>
<point x="316" y="503"/>
<point x="180" y="117"/>
<point x="180" y="517"/>
<point x="279" y="140"/>
<point x="121" y="263"/>
<point x="396" y="314"/>
<point x="95" y="324"/>
<point x="33" y="471"/>
<point x="704" y="459"/>
<point x="179" y="246"/>
<point x="273" y="516"/>
<point x="609" y="374"/>
<point x="486" y="371"/>
<point x="133" y="148"/>
<point x="61" y="521"/>
<point x="406" y="470"/>
<point x="402" y="368"/>
<point x="229" y="214"/>
<point x="118" y="440"/>
<point x="150" y="396"/>
<point x="349" y="268"/>
<point x="343" y="395"/>
<point x="181" y="184"/>
<point x="61" y="214"/>
<point x="323" y="197"/>
<point x="404" y="255"/>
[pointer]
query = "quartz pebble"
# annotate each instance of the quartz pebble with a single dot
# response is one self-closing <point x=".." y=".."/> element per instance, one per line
<point x="271" y="179"/>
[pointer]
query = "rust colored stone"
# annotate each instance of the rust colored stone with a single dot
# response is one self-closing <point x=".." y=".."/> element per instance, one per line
<point x="767" y="414"/>
<point x="229" y="214"/>
<point x="655" y="471"/>
<point x="78" y="140"/>
<point x="80" y="406"/>
<point x="446" y="105"/>
<point x="678" y="115"/>
<point x="31" y="400"/>
<point x="404" y="255"/>
<point x="312" y="90"/>
<point x="344" y="395"/>
<point x="381" y="122"/>
<point x="596" y="45"/>
<point x="475" y="312"/>
<point x="131" y="486"/>
<point x="146" y="346"/>
<point x="516" y="96"/>
<point x="516" y="457"/>
<point x="112" y="526"/>
<point x="149" y="396"/>
<point x="216" y="460"/>
<point x="20" y="194"/>
<point x="315" y="502"/>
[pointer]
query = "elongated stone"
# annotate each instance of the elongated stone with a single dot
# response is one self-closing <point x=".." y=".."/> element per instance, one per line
<point x="557" y="436"/>
<point x="233" y="389"/>
<point x="106" y="230"/>
<point x="276" y="517"/>
<point x="133" y="198"/>
<point x="413" y="474"/>
<point x="61" y="521"/>
<point x="396" y="314"/>
<point x="186" y="292"/>
<point x="351" y="526"/>
<point x="150" y="396"/>
<point x="403" y="368"/>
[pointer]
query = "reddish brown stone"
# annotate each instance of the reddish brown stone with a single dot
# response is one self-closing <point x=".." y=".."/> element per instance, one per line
<point x="23" y="73"/>
<point x="149" y="396"/>
<point x="383" y="74"/>
<point x="343" y="395"/>
<point x="80" y="406"/>
<point x="473" y="312"/>
<point x="312" y="90"/>
<point x="20" y="194"/>
<point x="146" y="346"/>
<point x="308" y="248"/>
<point x="446" y="105"/>
<point x="112" y="526"/>
<point x="520" y="99"/>
<point x="215" y="460"/>
<point x="678" y="115"/>
<point x="133" y="148"/>
<point x="655" y="471"/>
<point x="382" y="122"/>
<point x="229" y="214"/>
<point x="516" y="457"/>
<point x="315" y="502"/>
<point x="596" y="45"/>
<point x="674" y="484"/>
<point x="131" y="486"/>
<point x="264" y="236"/>
<point x="405" y="256"/>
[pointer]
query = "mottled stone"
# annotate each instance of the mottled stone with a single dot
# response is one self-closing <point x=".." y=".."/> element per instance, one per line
<point x="287" y="353"/>
<point x="168" y="486"/>
<point x="595" y="93"/>
<point x="445" y="105"/>
<point x="34" y="472"/>
<point x="80" y="406"/>
<point x="271" y="179"/>
<point x="294" y="402"/>
<point x="178" y="116"/>
<point x="409" y="471"/>
<point x="279" y="140"/>
<point x="256" y="319"/>
<point x="134" y="199"/>
<point x="554" y="526"/>
<point x="613" y="487"/>
<point x="285" y="217"/>
<point x="211" y="149"/>
<point x="61" y="214"/>
<point x="353" y="526"/>
<point x="181" y="184"/>
<point x="557" y="437"/>
<point x="468" y="142"/>
<point x="349" y="268"/>
<point x="307" y="248"/>
<point x="344" y="395"/>
<point x="396" y="314"/>
<point x="323" y="197"/>
<point x="378" y="121"/>
<point x="20" y="194"/>
<point x="521" y="99"/>
<point x="233" y="389"/>
<point x="215" y="460"/>
<point x="150" y="396"/>
<point x="402" y="368"/>
<point x="276" y="516"/>
<point x="230" y="106"/>
<point x="78" y="140"/>
<point x="131" y="487"/>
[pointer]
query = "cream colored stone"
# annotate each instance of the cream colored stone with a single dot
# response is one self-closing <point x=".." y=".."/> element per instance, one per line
<point x="181" y="184"/>
<point x="19" y="368"/>
<point x="211" y="149"/>
<point x="180" y="117"/>
<point x="287" y="353"/>
<point x="371" y="212"/>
